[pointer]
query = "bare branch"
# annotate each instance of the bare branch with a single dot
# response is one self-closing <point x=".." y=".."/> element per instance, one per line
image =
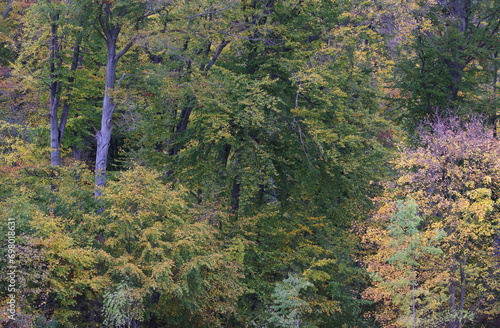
<point x="7" y="10"/>
<point x="121" y="78"/>
<point x="211" y="12"/>
<point x="221" y="47"/>
<point x="126" y="48"/>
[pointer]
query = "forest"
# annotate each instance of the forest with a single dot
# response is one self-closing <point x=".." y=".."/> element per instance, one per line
<point x="249" y="163"/>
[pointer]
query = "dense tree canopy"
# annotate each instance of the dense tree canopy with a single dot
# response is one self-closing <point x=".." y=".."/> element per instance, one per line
<point x="246" y="163"/>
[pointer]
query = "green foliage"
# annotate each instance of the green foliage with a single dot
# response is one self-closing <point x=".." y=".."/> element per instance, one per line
<point x="408" y="247"/>
<point x="55" y="268"/>
<point x="288" y="309"/>
<point x="153" y="243"/>
<point x="249" y="139"/>
<point x="6" y="54"/>
<point x="282" y="142"/>
<point x="122" y="307"/>
<point x="406" y="236"/>
<point x="451" y="63"/>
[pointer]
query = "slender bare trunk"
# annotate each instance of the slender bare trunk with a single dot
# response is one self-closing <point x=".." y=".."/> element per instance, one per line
<point x="110" y="34"/>
<point x="55" y="87"/>
<point x="71" y="79"/>
<point x="58" y="124"/>
<point x="104" y="135"/>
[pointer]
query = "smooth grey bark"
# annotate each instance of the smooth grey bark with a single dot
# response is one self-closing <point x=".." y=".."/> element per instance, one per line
<point x="103" y="137"/>
<point x="55" y="88"/>
<point x="110" y="32"/>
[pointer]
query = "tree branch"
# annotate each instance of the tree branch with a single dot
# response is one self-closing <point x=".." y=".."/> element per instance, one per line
<point x="210" y="12"/>
<point x="7" y="10"/>
<point x="221" y="47"/>
<point x="126" y="48"/>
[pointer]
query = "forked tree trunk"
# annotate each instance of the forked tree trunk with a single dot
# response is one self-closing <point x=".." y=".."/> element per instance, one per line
<point x="103" y="137"/>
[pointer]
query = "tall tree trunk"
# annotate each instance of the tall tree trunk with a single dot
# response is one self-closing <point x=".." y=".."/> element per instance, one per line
<point x="235" y="195"/>
<point x="58" y="124"/>
<point x="190" y="102"/>
<point x="456" y="70"/>
<point x="110" y="34"/>
<point x="103" y="136"/>
<point x="55" y="88"/>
